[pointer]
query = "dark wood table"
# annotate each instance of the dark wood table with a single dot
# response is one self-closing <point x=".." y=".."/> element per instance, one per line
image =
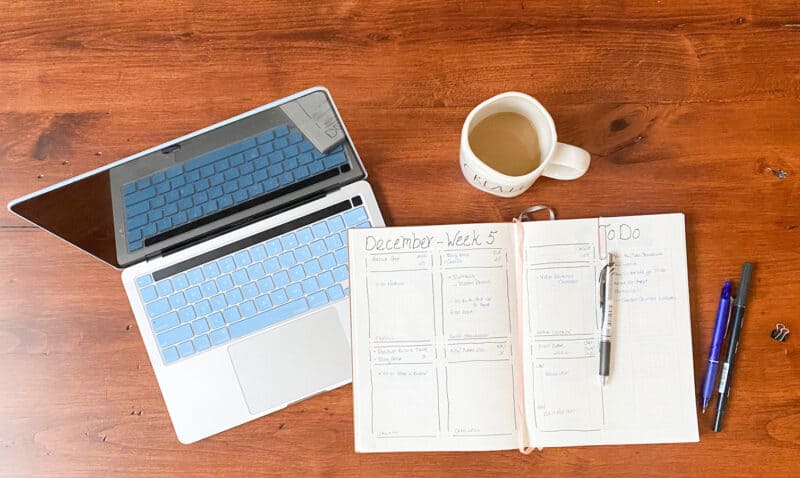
<point x="684" y="108"/>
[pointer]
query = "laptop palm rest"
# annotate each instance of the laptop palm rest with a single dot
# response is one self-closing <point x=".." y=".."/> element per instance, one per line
<point x="301" y="358"/>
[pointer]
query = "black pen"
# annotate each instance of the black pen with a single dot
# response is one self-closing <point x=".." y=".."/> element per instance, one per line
<point x="733" y="344"/>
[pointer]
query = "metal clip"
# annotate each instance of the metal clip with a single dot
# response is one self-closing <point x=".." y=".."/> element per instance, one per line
<point x="603" y="288"/>
<point x="523" y="216"/>
<point x="780" y="332"/>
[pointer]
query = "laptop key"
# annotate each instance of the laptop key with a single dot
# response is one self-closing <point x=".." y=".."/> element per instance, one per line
<point x="280" y="143"/>
<point x="318" y="247"/>
<point x="305" y="235"/>
<point x="256" y="271"/>
<point x="320" y="230"/>
<point x="240" y="277"/>
<point x="312" y="267"/>
<point x="202" y="343"/>
<point x="211" y="270"/>
<point x="218" y="302"/>
<point x="250" y="290"/>
<point x="310" y="285"/>
<point x="242" y="258"/>
<point x="219" y="336"/>
<point x="180" y="282"/>
<point x="297" y="273"/>
<point x="279" y="297"/>
<point x="161" y="306"/>
<point x="200" y="326"/>
<point x="177" y="300"/>
<point x="266" y="284"/>
<point x="269" y="317"/>
<point x="287" y="259"/>
<point x="234" y="296"/>
<point x="202" y="308"/>
<point x="165" y="322"/>
<point x="274" y="247"/>
<point x="193" y="294"/>
<point x="340" y="273"/>
<point x="186" y="349"/>
<point x="325" y="279"/>
<point x="317" y="299"/>
<point x="195" y="276"/>
<point x="302" y="253"/>
<point x="355" y="216"/>
<point x="335" y="292"/>
<point x="327" y="261"/>
<point x="258" y="253"/>
<point x="172" y="337"/>
<point x="335" y="224"/>
<point x="281" y="279"/>
<point x="164" y="288"/>
<point x="341" y="255"/>
<point x="225" y="282"/>
<point x="289" y="241"/>
<point x="149" y="294"/>
<point x="272" y="265"/>
<point x="333" y="242"/>
<point x="263" y="302"/>
<point x="187" y="314"/>
<point x="209" y="288"/>
<point x="247" y="308"/>
<point x="294" y="291"/>
<point x="232" y="314"/>
<point x="227" y="264"/>
<point x="171" y="355"/>
<point x="216" y="320"/>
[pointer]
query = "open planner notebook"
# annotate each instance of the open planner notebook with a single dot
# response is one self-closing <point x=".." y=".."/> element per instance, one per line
<point x="485" y="336"/>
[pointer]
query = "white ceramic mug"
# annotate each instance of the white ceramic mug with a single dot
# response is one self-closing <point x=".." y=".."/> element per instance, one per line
<point x="559" y="160"/>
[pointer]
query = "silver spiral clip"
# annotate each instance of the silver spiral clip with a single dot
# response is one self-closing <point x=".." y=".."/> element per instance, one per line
<point x="523" y="216"/>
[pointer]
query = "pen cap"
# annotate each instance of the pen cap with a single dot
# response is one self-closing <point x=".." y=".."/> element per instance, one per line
<point x="744" y="285"/>
<point x="726" y="290"/>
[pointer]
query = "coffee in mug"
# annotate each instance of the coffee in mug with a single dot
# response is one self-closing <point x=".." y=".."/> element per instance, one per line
<point x="509" y="141"/>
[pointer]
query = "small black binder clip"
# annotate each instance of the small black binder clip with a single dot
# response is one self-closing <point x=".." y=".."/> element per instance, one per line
<point x="780" y="332"/>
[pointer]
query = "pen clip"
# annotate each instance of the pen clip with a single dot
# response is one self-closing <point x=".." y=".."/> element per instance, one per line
<point x="602" y="288"/>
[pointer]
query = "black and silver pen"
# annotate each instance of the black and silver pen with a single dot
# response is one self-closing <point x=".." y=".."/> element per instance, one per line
<point x="739" y="305"/>
<point x="607" y="309"/>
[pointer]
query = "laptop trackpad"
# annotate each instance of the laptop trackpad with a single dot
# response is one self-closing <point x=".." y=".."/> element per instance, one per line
<point x="296" y="360"/>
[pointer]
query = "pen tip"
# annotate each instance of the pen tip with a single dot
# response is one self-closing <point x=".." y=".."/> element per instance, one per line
<point x="603" y="380"/>
<point x="704" y="409"/>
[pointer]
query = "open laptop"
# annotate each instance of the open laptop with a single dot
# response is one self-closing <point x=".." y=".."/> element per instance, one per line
<point x="232" y="242"/>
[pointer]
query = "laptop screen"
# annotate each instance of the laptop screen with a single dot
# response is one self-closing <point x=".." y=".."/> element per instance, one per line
<point x="202" y="184"/>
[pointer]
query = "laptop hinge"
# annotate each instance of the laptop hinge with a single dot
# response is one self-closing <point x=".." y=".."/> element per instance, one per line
<point x="237" y="224"/>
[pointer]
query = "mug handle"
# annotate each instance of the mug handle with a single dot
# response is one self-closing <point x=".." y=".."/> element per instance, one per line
<point x="569" y="162"/>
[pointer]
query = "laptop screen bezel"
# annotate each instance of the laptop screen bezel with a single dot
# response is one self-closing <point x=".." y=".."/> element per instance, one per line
<point x="231" y="221"/>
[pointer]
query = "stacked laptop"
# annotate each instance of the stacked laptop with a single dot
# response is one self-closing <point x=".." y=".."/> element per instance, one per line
<point x="233" y="245"/>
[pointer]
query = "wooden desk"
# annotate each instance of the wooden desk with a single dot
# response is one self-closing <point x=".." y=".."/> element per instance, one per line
<point x="689" y="109"/>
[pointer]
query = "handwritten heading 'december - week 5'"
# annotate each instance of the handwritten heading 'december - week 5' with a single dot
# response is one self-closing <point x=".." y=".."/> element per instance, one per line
<point x="422" y="242"/>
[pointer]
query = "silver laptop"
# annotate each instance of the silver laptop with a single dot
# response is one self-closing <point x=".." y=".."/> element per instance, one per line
<point x="232" y="242"/>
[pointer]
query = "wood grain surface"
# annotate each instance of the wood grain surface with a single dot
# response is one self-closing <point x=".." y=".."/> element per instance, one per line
<point x="685" y="106"/>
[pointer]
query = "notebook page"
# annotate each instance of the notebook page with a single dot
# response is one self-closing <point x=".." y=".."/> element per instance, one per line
<point x="434" y="337"/>
<point x="649" y="397"/>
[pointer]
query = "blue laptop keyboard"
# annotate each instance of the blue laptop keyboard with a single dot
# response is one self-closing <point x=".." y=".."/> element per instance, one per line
<point x="253" y="288"/>
<point x="220" y="179"/>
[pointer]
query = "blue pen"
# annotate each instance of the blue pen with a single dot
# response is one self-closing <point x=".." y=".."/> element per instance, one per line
<point x="720" y="326"/>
